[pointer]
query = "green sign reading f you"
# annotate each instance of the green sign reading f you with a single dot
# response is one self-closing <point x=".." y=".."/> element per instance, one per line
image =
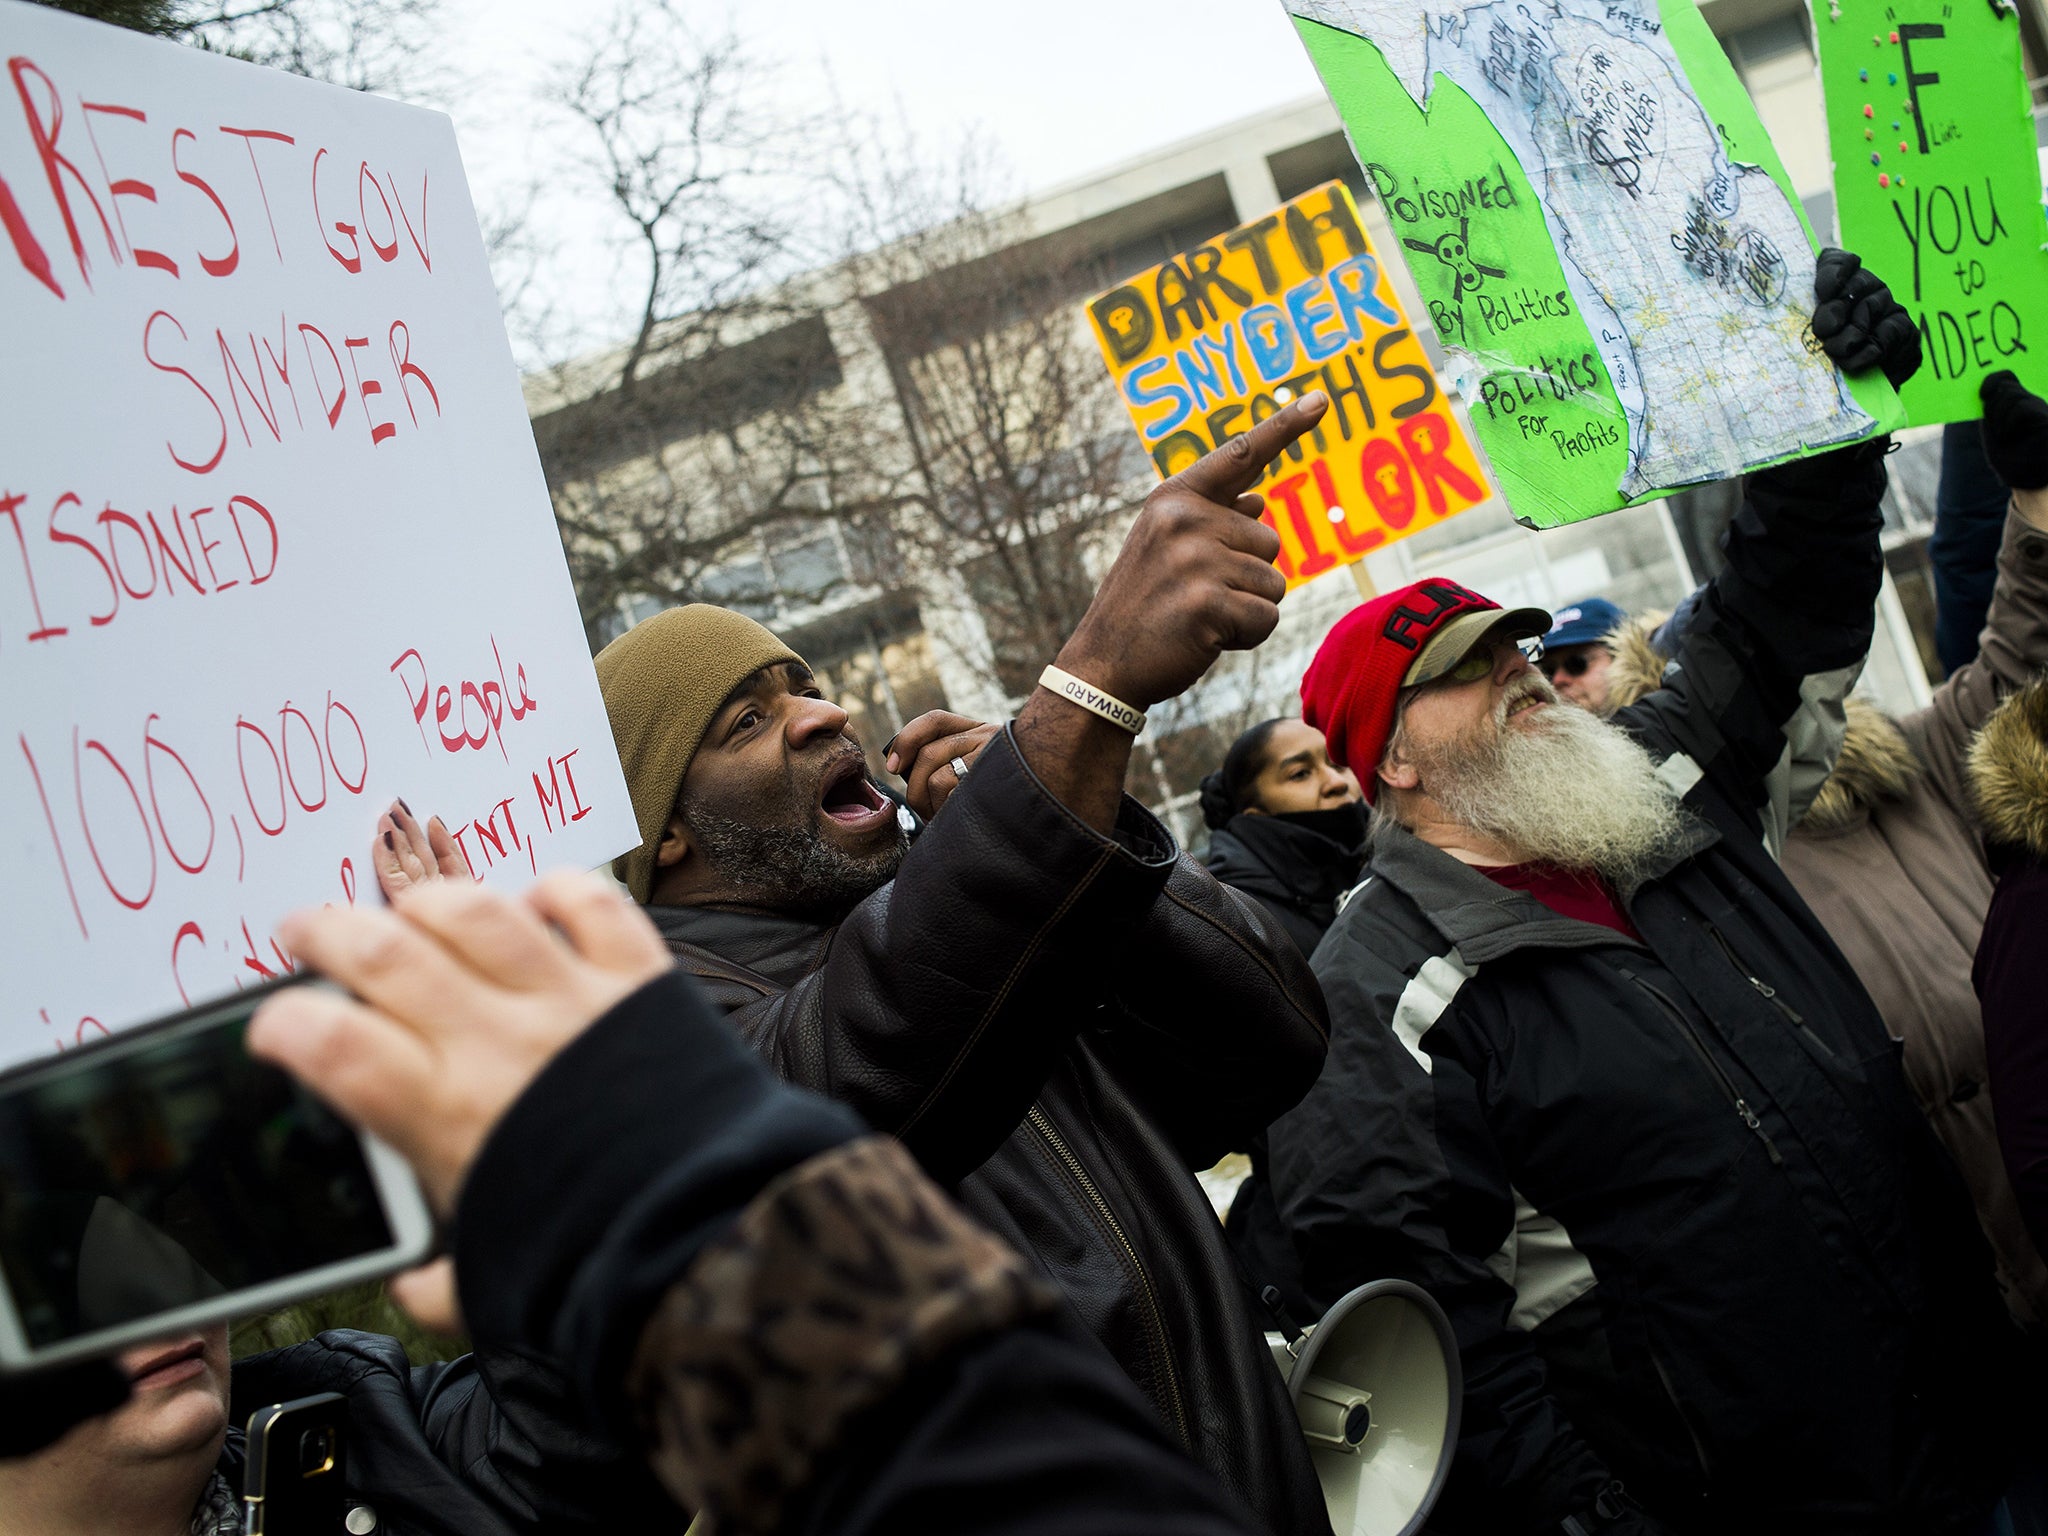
<point x="1937" y="185"/>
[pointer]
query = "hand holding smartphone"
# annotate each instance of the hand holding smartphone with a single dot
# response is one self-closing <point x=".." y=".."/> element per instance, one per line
<point x="165" y="1179"/>
<point x="297" y="1478"/>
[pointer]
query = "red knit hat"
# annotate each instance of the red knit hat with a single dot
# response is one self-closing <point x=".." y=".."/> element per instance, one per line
<point x="1397" y="640"/>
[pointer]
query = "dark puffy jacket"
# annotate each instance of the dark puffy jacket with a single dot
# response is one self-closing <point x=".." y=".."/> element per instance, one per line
<point x="804" y="1335"/>
<point x="1690" y="1228"/>
<point x="433" y="1450"/>
<point x="1289" y="868"/>
<point x="1064" y="1024"/>
<point x="1297" y="874"/>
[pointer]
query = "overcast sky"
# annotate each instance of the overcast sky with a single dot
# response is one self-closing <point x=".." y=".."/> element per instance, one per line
<point x="1059" y="87"/>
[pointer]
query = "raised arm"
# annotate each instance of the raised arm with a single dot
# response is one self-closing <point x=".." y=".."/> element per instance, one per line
<point x="1797" y="598"/>
<point x="943" y="1002"/>
<point x="2013" y="645"/>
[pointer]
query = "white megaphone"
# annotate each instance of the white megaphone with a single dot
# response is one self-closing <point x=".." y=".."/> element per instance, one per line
<point x="1378" y="1389"/>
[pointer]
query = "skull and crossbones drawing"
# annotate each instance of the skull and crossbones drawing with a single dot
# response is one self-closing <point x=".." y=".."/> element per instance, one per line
<point x="1454" y="249"/>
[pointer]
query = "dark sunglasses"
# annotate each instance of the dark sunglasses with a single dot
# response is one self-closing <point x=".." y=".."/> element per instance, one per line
<point x="1574" y="665"/>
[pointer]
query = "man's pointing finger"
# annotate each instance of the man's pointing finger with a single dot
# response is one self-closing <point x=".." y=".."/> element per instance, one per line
<point x="1229" y="471"/>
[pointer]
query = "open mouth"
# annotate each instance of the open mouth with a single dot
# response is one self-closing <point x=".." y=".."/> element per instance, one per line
<point x="171" y="1366"/>
<point x="1522" y="705"/>
<point x="848" y="798"/>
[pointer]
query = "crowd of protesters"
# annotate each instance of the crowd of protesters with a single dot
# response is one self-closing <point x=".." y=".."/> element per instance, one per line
<point x="1666" y="1012"/>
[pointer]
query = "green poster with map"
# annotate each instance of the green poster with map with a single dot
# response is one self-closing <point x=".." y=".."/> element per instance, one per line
<point x="1938" y="186"/>
<point x="1606" y="242"/>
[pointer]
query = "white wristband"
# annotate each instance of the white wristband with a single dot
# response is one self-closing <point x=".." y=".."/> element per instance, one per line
<point x="1092" y="699"/>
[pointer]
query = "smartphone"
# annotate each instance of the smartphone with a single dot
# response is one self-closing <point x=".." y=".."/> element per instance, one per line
<point x="296" y="1483"/>
<point x="164" y="1179"/>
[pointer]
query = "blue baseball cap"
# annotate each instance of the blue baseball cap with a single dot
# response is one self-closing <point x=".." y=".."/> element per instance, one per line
<point x="1591" y="618"/>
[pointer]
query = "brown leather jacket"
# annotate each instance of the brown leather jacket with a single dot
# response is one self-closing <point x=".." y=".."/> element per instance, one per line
<point x="1064" y="1025"/>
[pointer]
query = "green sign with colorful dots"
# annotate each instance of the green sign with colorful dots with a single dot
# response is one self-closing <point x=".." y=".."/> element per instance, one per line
<point x="1937" y="186"/>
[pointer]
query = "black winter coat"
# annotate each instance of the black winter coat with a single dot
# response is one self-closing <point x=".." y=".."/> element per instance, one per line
<point x="1063" y="1025"/>
<point x="435" y="1451"/>
<point x="1688" y="1224"/>
<point x="1291" y="869"/>
<point x="1297" y="874"/>
<point x="776" y="1305"/>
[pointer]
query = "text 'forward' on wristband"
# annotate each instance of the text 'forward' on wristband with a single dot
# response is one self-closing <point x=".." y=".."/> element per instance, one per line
<point x="1075" y="691"/>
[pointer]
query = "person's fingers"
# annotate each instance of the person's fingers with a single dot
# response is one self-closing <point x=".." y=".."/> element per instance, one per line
<point x="501" y="940"/>
<point x="905" y="745"/>
<point x="1898" y="338"/>
<point x="1251" y="536"/>
<point x="918" y="790"/>
<point x="429" y="1296"/>
<point x="980" y="736"/>
<point x="1251" y="504"/>
<point x="1831" y="269"/>
<point x="415" y="859"/>
<point x="1247" y="619"/>
<point x="1851" y="349"/>
<point x="1226" y="473"/>
<point x="938" y="756"/>
<point x="447" y="853"/>
<point x="963" y="744"/>
<point x="387" y="858"/>
<point x="1859" y="286"/>
<point x="415" y="835"/>
<point x="2003" y="384"/>
<point x="369" y="1067"/>
<point x="600" y="923"/>
<point x="1258" y="578"/>
<point x="388" y="960"/>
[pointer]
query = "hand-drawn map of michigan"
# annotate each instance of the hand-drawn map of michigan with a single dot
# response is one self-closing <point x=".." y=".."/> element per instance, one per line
<point x="1604" y="237"/>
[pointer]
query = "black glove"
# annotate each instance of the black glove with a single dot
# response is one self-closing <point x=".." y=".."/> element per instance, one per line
<point x="41" y="1407"/>
<point x="2015" y="431"/>
<point x="1857" y="322"/>
<point x="1613" y="1512"/>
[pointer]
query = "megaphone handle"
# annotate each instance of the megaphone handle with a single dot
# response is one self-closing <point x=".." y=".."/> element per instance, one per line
<point x="1289" y="1328"/>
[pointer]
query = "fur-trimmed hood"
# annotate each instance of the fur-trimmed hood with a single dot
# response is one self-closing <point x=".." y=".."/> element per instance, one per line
<point x="1638" y="666"/>
<point x="1877" y="762"/>
<point x="2009" y="770"/>
<point x="1877" y="765"/>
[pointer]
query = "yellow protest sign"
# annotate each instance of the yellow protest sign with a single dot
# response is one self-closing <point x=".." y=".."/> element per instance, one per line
<point x="1208" y="344"/>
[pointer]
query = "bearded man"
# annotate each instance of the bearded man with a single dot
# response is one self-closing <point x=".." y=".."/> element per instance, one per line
<point x="1602" y="1083"/>
<point x="1042" y="999"/>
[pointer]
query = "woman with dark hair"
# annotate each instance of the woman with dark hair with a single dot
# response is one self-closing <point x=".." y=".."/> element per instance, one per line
<point x="1287" y="829"/>
<point x="1286" y="826"/>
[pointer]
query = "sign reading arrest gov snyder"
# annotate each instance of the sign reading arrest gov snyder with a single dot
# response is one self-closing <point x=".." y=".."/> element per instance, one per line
<point x="1212" y="342"/>
<point x="274" y="542"/>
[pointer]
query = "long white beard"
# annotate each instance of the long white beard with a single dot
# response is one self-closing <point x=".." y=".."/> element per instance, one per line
<point x="1563" y="788"/>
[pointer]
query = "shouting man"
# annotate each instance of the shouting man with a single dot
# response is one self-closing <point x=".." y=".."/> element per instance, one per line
<point x="1602" y="1083"/>
<point x="1042" y="998"/>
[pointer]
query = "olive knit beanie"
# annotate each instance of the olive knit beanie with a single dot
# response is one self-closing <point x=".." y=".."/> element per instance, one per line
<point x="662" y="681"/>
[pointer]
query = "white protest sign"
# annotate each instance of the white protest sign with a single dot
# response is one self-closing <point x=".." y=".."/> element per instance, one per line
<point x="274" y="542"/>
